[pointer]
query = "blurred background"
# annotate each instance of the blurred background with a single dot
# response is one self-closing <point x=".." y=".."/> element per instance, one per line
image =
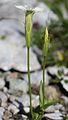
<point x="58" y="31"/>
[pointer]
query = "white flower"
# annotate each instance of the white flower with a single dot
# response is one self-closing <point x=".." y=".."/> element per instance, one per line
<point x="27" y="8"/>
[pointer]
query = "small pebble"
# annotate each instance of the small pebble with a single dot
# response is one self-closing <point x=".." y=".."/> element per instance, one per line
<point x="12" y="108"/>
<point x="26" y="109"/>
<point x="2" y="83"/>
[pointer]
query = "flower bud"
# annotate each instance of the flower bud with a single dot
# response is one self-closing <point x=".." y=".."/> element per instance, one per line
<point x="46" y="43"/>
<point x="28" y="26"/>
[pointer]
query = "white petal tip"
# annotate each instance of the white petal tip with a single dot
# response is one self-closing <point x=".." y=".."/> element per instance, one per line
<point x="37" y="9"/>
<point x="20" y="7"/>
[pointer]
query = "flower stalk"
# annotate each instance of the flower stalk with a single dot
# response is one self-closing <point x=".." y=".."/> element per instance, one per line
<point x="45" y="56"/>
<point x="28" y="29"/>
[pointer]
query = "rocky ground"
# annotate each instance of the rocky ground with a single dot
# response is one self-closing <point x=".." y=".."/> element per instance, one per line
<point x="14" y="97"/>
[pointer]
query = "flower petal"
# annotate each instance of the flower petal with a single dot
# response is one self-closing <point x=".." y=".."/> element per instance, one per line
<point x="37" y="9"/>
<point x="21" y="7"/>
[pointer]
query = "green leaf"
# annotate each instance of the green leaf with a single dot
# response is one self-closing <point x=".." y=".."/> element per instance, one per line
<point x="41" y="94"/>
<point x="49" y="102"/>
<point x="37" y="116"/>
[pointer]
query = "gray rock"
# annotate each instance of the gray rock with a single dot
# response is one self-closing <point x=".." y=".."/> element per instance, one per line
<point x="52" y="92"/>
<point x="24" y="99"/>
<point x="65" y="71"/>
<point x="7" y="115"/>
<point x="21" y="62"/>
<point x="55" y="112"/>
<point x="16" y="104"/>
<point x="0" y="118"/>
<point x="35" y="101"/>
<point x="3" y="98"/>
<point x="11" y="27"/>
<point x="13" y="55"/>
<point x="36" y="77"/>
<point x="1" y="111"/>
<point x="13" y="13"/>
<point x="13" y="109"/>
<point x="27" y="109"/>
<point x="65" y="100"/>
<point x="54" y="116"/>
<point x="53" y="108"/>
<point x="53" y="70"/>
<point x="5" y="90"/>
<point x="24" y="117"/>
<point x="2" y="83"/>
<point x="64" y="83"/>
<point x="18" y="85"/>
<point x="8" y="10"/>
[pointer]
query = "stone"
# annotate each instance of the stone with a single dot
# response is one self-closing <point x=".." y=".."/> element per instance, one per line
<point x="18" y="85"/>
<point x="53" y="108"/>
<point x="13" y="54"/>
<point x="35" y="101"/>
<point x="12" y="108"/>
<point x="16" y="104"/>
<point x="24" y="99"/>
<point x="35" y="89"/>
<point x="3" y="98"/>
<point x="54" y="116"/>
<point x="27" y="109"/>
<point x="53" y="70"/>
<point x="64" y="83"/>
<point x="0" y="118"/>
<point x="36" y="77"/>
<point x="12" y="98"/>
<point x="24" y="117"/>
<point x="1" y="111"/>
<point x="65" y="99"/>
<point x="52" y="92"/>
<point x="10" y="27"/>
<point x="2" y="83"/>
<point x="65" y="71"/>
<point x="7" y="115"/>
<point x="37" y="50"/>
<point x="5" y="90"/>
<point x="21" y="63"/>
<point x="13" y="13"/>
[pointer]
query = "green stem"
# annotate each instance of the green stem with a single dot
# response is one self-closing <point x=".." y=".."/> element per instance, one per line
<point x="28" y="63"/>
<point x="43" y="79"/>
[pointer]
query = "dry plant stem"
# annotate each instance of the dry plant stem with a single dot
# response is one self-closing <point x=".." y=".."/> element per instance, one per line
<point x="43" y="79"/>
<point x="28" y="63"/>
